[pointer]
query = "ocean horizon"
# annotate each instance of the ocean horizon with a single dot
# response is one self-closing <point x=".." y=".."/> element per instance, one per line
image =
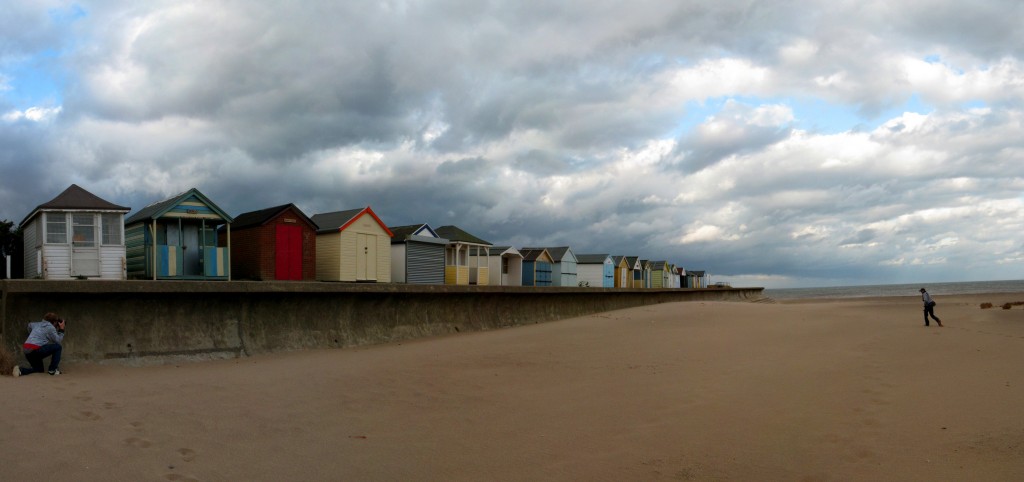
<point x="902" y="289"/>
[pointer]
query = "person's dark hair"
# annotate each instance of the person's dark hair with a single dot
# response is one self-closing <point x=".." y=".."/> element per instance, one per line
<point x="51" y="317"/>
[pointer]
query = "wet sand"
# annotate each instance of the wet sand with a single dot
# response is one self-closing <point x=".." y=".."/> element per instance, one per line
<point x="805" y="390"/>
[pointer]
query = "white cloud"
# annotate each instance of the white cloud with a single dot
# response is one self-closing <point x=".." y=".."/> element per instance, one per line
<point x="33" y="114"/>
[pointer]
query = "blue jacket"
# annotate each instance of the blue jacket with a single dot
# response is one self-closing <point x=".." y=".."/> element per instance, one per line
<point x="41" y="333"/>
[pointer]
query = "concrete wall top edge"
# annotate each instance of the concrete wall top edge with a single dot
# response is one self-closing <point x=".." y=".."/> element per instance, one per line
<point x="150" y="286"/>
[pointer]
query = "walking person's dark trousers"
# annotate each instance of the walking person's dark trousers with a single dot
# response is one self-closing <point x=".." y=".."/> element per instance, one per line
<point x="930" y="311"/>
<point x="36" y="357"/>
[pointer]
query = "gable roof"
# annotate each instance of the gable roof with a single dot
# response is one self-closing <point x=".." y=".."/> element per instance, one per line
<point x="263" y="216"/>
<point x="558" y="252"/>
<point x="400" y="232"/>
<point x="75" y="198"/>
<point x="532" y="254"/>
<point x="691" y="272"/>
<point x="339" y="220"/>
<point x="659" y="265"/>
<point x="159" y="208"/>
<point x="632" y="261"/>
<point x="503" y="250"/>
<point x="591" y="258"/>
<point x="454" y="233"/>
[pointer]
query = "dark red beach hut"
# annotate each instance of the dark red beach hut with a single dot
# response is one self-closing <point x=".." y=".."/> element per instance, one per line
<point x="277" y="243"/>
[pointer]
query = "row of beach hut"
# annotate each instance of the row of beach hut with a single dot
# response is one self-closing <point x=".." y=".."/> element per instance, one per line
<point x="188" y="237"/>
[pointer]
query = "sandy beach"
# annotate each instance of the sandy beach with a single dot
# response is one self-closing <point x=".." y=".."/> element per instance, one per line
<point x="809" y="390"/>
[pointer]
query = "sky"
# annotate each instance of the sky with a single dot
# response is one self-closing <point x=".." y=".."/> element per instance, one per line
<point x="777" y="144"/>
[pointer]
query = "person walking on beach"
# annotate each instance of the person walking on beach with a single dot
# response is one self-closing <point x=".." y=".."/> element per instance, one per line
<point x="44" y="340"/>
<point x="929" y="308"/>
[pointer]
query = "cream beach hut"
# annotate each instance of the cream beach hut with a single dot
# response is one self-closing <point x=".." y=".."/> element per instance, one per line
<point x="352" y="245"/>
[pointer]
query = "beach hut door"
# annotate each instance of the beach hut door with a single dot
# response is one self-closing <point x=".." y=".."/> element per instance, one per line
<point x="288" y="261"/>
<point x="366" y="257"/>
<point x="190" y="250"/>
<point x="85" y="256"/>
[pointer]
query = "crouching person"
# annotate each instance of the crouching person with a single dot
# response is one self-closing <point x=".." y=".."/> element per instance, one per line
<point x="44" y="340"/>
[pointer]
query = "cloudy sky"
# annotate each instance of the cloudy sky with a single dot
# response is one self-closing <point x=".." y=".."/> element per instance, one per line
<point x="776" y="143"/>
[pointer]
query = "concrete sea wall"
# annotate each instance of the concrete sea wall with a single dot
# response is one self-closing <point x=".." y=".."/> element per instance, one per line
<point x="149" y="321"/>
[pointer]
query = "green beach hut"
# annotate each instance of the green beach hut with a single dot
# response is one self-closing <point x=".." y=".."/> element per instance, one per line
<point x="177" y="239"/>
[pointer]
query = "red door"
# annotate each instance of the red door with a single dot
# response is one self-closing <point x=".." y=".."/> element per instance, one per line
<point x="288" y="262"/>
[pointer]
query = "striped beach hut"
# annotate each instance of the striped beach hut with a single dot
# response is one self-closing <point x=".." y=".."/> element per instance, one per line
<point x="177" y="239"/>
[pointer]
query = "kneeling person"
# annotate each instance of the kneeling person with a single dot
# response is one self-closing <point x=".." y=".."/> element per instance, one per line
<point x="44" y="340"/>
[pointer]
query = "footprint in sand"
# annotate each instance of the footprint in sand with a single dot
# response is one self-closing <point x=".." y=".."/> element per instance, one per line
<point x="86" y="415"/>
<point x="83" y="396"/>
<point x="180" y="477"/>
<point x="109" y="405"/>
<point x="187" y="455"/>
<point x="138" y="442"/>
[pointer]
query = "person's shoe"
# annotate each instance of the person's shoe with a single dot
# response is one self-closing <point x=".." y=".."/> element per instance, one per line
<point x="16" y="372"/>
<point x="55" y="372"/>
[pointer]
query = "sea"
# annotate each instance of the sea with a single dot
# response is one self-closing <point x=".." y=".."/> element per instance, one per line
<point x="908" y="289"/>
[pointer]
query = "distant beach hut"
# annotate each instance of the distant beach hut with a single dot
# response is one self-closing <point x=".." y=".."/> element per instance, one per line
<point x="595" y="270"/>
<point x="536" y="267"/>
<point x="467" y="257"/>
<point x="563" y="266"/>
<point x="505" y="266"/>
<point x="276" y="243"/>
<point x="417" y="255"/>
<point x="645" y="276"/>
<point x="623" y="273"/>
<point x="696" y="279"/>
<point x="636" y="276"/>
<point x="75" y="235"/>
<point x="352" y="245"/>
<point x="659" y="274"/>
<point x="177" y="239"/>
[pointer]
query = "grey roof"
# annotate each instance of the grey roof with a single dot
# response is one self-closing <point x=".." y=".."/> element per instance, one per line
<point x="404" y="234"/>
<point x="591" y="258"/>
<point x="531" y="254"/>
<point x="455" y="233"/>
<point x="691" y="272"/>
<point x="556" y="252"/>
<point x="328" y="222"/>
<point x="658" y="264"/>
<point x="617" y="259"/>
<point x="76" y="198"/>
<point x="631" y="261"/>
<point x="496" y="250"/>
<point x="158" y="208"/>
<point x="401" y="232"/>
<point x="263" y="216"/>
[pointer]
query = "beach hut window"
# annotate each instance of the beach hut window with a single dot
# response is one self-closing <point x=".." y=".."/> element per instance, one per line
<point x="56" y="228"/>
<point x="84" y="229"/>
<point x="111" y="228"/>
